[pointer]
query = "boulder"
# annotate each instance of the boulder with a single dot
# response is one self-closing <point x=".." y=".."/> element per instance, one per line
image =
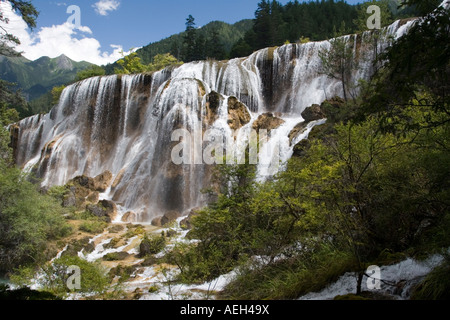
<point x="104" y="209"/>
<point x="169" y="217"/>
<point x="267" y="121"/>
<point x="102" y="182"/>
<point x="213" y="102"/>
<point x="83" y="181"/>
<point x="129" y="216"/>
<point x="238" y="115"/>
<point x="156" y="222"/>
<point x="186" y="223"/>
<point x="313" y="113"/>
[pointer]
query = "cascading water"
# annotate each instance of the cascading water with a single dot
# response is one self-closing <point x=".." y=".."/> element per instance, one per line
<point x="124" y="124"/>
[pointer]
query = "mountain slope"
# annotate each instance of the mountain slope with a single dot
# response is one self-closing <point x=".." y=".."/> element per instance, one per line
<point x="229" y="34"/>
<point x="38" y="77"/>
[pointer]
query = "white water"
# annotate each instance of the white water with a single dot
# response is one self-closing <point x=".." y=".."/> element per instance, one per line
<point x="124" y="124"/>
<point x="410" y="271"/>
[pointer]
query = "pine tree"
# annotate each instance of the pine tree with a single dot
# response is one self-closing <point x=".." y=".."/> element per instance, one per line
<point x="190" y="39"/>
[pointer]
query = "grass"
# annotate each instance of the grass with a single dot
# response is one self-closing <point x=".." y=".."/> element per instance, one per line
<point x="93" y="226"/>
<point x="289" y="278"/>
<point x="436" y="286"/>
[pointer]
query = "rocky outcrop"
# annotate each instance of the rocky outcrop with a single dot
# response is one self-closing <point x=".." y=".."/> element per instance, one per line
<point x="103" y="181"/>
<point x="213" y="102"/>
<point x="167" y="218"/>
<point x="313" y="113"/>
<point x="238" y="115"/>
<point x="186" y="223"/>
<point x="84" y="194"/>
<point x="129" y="216"/>
<point x="267" y="121"/>
<point x="105" y="209"/>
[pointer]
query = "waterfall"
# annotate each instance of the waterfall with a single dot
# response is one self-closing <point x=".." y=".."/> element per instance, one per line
<point x="125" y="124"/>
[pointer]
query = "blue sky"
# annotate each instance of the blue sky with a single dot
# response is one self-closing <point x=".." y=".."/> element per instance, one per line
<point x="108" y="26"/>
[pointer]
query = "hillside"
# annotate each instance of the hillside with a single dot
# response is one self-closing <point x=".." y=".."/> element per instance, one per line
<point x="228" y="35"/>
<point x="38" y="77"/>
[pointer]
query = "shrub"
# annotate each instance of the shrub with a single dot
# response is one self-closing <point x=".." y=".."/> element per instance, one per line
<point x="93" y="226"/>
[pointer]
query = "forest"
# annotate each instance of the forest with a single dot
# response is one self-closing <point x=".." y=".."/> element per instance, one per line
<point x="369" y="187"/>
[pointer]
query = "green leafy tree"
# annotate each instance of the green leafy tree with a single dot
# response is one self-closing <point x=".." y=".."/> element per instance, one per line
<point x="8" y="40"/>
<point x="161" y="61"/>
<point x="338" y="62"/>
<point x="93" y="71"/>
<point x="130" y="64"/>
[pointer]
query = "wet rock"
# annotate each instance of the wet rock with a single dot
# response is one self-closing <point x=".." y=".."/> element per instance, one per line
<point x="116" y="256"/>
<point x="129" y="217"/>
<point x="104" y="209"/>
<point x="313" y="113"/>
<point x="186" y="223"/>
<point x="156" y="222"/>
<point x="169" y="217"/>
<point x="118" y="179"/>
<point x="267" y="121"/>
<point x="213" y="102"/>
<point x="298" y="129"/>
<point x="238" y="115"/>
<point x="102" y="182"/>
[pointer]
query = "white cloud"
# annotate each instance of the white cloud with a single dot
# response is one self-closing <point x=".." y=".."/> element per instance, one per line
<point x="103" y="7"/>
<point x="58" y="39"/>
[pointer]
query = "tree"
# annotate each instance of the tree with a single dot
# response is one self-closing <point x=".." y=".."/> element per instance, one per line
<point x="190" y="40"/>
<point x="216" y="49"/>
<point x="416" y="62"/>
<point x="130" y="64"/>
<point x="338" y="62"/>
<point x="8" y="96"/>
<point x="423" y="7"/>
<point x="7" y="40"/>
<point x="90" y="72"/>
<point x="161" y="61"/>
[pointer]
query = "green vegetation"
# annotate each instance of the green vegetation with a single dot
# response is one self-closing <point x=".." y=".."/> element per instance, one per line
<point x="131" y="64"/>
<point x="436" y="285"/>
<point x="152" y="245"/>
<point x="36" y="78"/>
<point x="371" y="186"/>
<point x="213" y="33"/>
<point x="92" y="71"/>
<point x="276" y="24"/>
<point x="28" y="218"/>
<point x="94" y="226"/>
<point x="54" y="277"/>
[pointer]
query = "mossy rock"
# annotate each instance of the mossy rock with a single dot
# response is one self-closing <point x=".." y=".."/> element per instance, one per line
<point x="124" y="272"/>
<point x="116" y="256"/>
<point x="77" y="245"/>
<point x="151" y="245"/>
<point x="134" y="230"/>
<point x="116" y="228"/>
